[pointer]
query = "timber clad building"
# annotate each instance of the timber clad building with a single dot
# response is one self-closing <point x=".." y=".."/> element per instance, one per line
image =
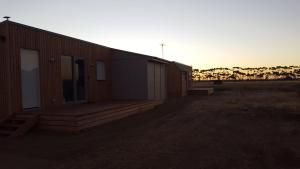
<point x="179" y="79"/>
<point x="43" y="71"/>
<point x="40" y="69"/>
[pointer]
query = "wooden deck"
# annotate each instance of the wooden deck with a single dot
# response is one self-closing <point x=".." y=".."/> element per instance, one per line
<point x="74" y="118"/>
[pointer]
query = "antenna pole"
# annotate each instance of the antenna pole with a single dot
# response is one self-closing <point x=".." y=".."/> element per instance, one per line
<point x="6" y="17"/>
<point x="162" y="50"/>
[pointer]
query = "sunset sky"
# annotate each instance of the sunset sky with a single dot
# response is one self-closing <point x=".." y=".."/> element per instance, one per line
<point x="201" y="33"/>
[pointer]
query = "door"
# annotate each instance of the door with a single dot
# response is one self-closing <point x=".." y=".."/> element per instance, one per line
<point x="73" y="79"/>
<point x="183" y="83"/>
<point x="151" y="81"/>
<point x="30" y="80"/>
<point x="156" y="81"/>
<point x="80" y="79"/>
<point x="163" y="81"/>
<point x="67" y="78"/>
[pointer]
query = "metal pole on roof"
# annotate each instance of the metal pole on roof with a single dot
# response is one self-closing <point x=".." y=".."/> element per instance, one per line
<point x="6" y="17"/>
<point x="162" y="50"/>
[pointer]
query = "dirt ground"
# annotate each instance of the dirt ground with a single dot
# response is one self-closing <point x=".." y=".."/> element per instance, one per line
<point x="249" y="125"/>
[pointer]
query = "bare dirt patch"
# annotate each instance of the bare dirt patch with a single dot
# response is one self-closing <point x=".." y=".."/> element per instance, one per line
<point x="244" y="125"/>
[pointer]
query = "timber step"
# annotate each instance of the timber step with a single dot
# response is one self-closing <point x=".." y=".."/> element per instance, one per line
<point x="4" y="132"/>
<point x="206" y="91"/>
<point x="18" y="125"/>
<point x="81" y="121"/>
<point x="88" y="123"/>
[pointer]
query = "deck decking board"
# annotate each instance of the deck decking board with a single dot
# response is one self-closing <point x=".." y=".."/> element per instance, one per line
<point x="87" y="116"/>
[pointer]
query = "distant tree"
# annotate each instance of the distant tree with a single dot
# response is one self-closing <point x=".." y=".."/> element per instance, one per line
<point x="232" y="77"/>
<point x="195" y="74"/>
<point x="297" y="71"/>
<point x="260" y="76"/>
<point x="238" y="73"/>
<point x="267" y="75"/>
<point x="276" y="74"/>
<point x="210" y="76"/>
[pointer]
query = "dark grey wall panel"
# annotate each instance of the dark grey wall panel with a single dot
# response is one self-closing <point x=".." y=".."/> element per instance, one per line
<point x="128" y="76"/>
<point x="137" y="76"/>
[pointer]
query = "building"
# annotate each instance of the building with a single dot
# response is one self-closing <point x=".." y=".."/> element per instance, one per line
<point x="136" y="76"/>
<point x="179" y="79"/>
<point x="41" y="69"/>
<point x="68" y="82"/>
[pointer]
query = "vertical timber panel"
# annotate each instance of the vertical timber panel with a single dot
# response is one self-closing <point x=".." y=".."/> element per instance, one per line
<point x="4" y="85"/>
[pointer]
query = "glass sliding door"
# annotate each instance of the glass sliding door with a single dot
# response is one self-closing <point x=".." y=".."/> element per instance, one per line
<point x="67" y="78"/>
<point x="80" y="79"/>
<point x="73" y="79"/>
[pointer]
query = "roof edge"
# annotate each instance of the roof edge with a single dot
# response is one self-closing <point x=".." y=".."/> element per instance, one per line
<point x="50" y="32"/>
<point x="153" y="58"/>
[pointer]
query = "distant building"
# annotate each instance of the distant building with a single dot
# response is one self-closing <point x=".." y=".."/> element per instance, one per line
<point x="179" y="79"/>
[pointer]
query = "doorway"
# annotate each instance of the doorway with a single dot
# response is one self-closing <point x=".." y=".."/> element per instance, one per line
<point x="30" y="79"/>
<point x="73" y="79"/>
<point x="156" y="75"/>
<point x="184" y="84"/>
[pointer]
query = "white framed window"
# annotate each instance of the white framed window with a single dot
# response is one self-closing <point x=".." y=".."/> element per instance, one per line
<point x="100" y="68"/>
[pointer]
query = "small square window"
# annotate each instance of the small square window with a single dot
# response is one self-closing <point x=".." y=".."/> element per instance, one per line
<point x="3" y="39"/>
<point x="100" y="68"/>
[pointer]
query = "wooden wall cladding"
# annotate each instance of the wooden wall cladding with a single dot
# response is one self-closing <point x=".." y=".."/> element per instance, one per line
<point x="4" y="104"/>
<point x="174" y="80"/>
<point x="51" y="47"/>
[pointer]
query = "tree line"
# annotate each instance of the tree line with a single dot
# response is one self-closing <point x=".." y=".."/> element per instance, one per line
<point x="239" y="73"/>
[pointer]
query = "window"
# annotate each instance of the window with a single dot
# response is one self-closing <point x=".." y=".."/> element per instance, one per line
<point x="100" y="68"/>
<point x="3" y="39"/>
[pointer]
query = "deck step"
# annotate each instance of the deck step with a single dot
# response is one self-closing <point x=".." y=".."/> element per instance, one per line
<point x="5" y="132"/>
<point x="113" y="117"/>
<point x="206" y="91"/>
<point x="10" y="126"/>
<point x="24" y="116"/>
<point x="110" y="112"/>
<point x="77" y="122"/>
<point x="17" y="125"/>
<point x="21" y="119"/>
<point x="113" y="114"/>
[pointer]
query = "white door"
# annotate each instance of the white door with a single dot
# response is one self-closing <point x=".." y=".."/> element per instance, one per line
<point x="30" y="79"/>
<point x="163" y="82"/>
<point x="151" y="81"/>
<point x="156" y="81"/>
